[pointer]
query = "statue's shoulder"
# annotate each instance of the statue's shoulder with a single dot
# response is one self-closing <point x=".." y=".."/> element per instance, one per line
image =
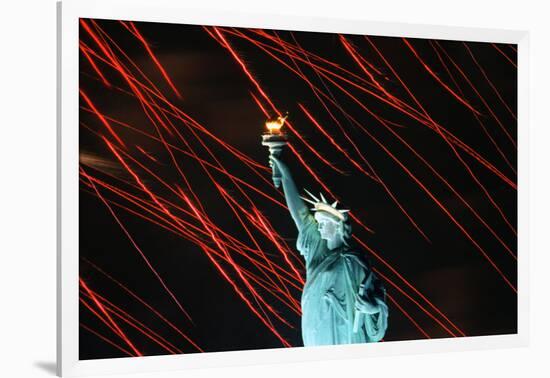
<point x="308" y="228"/>
<point x="358" y="256"/>
<point x="309" y="238"/>
<point x="308" y="221"/>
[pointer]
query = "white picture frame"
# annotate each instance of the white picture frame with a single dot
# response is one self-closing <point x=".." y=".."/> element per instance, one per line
<point x="172" y="11"/>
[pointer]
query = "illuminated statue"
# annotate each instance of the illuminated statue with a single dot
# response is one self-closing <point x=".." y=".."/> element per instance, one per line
<point x="343" y="301"/>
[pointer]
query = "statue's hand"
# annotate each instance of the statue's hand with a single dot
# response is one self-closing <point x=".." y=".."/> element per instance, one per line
<point x="276" y="162"/>
<point x="366" y="305"/>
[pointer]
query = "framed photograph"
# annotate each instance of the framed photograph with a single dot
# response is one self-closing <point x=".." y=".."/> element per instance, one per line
<point x="254" y="188"/>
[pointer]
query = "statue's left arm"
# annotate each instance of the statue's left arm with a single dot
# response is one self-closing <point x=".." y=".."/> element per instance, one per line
<point x="371" y="301"/>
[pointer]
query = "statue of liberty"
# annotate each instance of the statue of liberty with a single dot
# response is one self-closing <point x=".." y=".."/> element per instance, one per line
<point x="343" y="301"/>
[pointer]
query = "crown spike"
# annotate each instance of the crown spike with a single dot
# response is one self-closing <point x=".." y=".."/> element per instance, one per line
<point x="311" y="195"/>
<point x="334" y="204"/>
<point x="308" y="200"/>
<point x="323" y="198"/>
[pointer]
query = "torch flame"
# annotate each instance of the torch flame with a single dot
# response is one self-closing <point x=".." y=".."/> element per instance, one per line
<point x="274" y="124"/>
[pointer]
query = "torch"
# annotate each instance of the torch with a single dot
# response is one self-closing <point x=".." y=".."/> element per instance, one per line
<point x="275" y="139"/>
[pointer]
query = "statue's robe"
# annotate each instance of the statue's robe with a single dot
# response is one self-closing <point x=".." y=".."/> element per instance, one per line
<point x="333" y="279"/>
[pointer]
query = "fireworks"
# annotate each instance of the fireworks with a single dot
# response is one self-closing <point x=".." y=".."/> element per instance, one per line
<point x="151" y="160"/>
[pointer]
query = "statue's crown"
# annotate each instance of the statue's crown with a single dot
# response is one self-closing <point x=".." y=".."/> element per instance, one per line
<point x="323" y="205"/>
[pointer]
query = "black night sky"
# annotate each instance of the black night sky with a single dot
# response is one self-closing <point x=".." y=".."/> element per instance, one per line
<point x="448" y="269"/>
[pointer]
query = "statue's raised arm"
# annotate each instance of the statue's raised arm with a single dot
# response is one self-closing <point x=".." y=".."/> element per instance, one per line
<point x="297" y="207"/>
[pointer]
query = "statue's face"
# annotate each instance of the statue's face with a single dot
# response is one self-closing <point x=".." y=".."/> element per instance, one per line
<point x="328" y="227"/>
